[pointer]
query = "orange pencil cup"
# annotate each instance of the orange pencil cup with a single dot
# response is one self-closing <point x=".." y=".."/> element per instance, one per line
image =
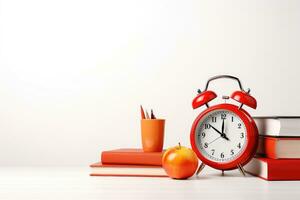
<point x="153" y="134"/>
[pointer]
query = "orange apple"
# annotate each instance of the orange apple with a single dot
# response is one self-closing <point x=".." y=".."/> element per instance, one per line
<point x="180" y="162"/>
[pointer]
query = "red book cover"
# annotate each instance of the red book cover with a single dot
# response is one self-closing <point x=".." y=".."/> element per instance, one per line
<point x="279" y="147"/>
<point x="274" y="170"/>
<point x="99" y="169"/>
<point x="131" y="156"/>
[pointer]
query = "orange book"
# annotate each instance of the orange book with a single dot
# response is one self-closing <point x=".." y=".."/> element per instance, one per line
<point x="99" y="169"/>
<point x="131" y="157"/>
<point x="279" y="147"/>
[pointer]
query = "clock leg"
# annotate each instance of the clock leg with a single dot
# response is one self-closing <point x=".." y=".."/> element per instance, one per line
<point x="222" y="172"/>
<point x="200" y="168"/>
<point x="241" y="169"/>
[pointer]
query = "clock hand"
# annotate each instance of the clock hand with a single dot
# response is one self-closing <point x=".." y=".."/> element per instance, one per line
<point x="214" y="140"/>
<point x="223" y="126"/>
<point x="216" y="129"/>
<point x="222" y="134"/>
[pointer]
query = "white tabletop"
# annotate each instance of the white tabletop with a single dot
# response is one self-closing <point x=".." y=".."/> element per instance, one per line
<point x="75" y="183"/>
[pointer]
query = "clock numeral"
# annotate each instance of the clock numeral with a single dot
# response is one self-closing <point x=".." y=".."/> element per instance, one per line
<point x="239" y="125"/>
<point x="242" y="135"/>
<point x="206" y="126"/>
<point x="232" y="119"/>
<point x="222" y="155"/>
<point x="232" y="152"/>
<point x="239" y="145"/>
<point x="223" y="116"/>
<point x="212" y="151"/>
<point x="205" y="145"/>
<point x="203" y="134"/>
<point x="214" y="119"/>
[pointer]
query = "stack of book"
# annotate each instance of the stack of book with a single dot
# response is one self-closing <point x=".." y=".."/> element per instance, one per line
<point x="129" y="162"/>
<point x="278" y="155"/>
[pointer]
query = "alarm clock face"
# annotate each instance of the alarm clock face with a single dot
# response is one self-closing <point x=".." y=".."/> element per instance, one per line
<point x="221" y="136"/>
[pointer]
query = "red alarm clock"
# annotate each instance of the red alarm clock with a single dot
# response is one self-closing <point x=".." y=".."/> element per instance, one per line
<point x="224" y="136"/>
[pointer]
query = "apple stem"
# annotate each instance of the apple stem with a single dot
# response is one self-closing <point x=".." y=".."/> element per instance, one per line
<point x="179" y="145"/>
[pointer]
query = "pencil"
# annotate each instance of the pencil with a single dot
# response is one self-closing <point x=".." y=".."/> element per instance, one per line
<point x="147" y="115"/>
<point x="142" y="112"/>
<point x="152" y="115"/>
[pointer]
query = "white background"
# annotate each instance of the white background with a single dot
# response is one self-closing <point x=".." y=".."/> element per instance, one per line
<point x="73" y="73"/>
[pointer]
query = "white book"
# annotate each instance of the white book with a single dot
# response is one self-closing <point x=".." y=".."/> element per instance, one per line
<point x="278" y="126"/>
